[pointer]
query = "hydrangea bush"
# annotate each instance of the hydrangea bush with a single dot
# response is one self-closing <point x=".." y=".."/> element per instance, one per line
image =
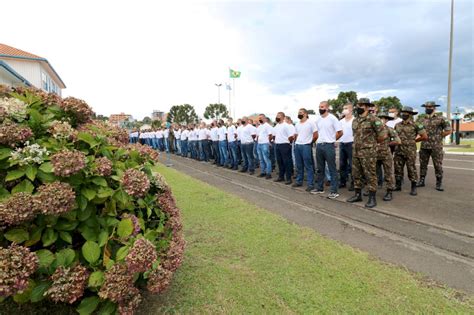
<point x="84" y="219"/>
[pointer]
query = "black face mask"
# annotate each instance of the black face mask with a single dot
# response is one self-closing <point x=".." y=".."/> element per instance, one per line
<point x="405" y="116"/>
<point x="322" y="111"/>
<point x="360" y="110"/>
<point x="277" y="119"/>
<point x="429" y="111"/>
<point x="243" y="123"/>
<point x="300" y="116"/>
<point x="260" y="121"/>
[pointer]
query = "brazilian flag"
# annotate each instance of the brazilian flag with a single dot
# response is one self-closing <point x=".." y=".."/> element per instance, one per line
<point x="234" y="74"/>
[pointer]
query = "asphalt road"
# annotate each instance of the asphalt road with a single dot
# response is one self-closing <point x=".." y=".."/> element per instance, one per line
<point x="432" y="233"/>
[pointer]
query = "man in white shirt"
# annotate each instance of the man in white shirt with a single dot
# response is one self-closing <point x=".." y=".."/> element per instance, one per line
<point x="192" y="141"/>
<point x="177" y="135"/>
<point x="184" y="142"/>
<point x="166" y="134"/>
<point x="329" y="131"/>
<point x="203" y="135"/>
<point x="393" y="112"/>
<point x="247" y="136"/>
<point x="345" y="147"/>
<point x="306" y="134"/>
<point x="264" y="135"/>
<point x="222" y="135"/>
<point x="239" y="145"/>
<point x="232" y="142"/>
<point x="215" y="142"/>
<point x="283" y="136"/>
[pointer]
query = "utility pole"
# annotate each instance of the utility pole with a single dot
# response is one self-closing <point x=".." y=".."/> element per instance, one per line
<point x="448" y="109"/>
<point x="218" y="92"/>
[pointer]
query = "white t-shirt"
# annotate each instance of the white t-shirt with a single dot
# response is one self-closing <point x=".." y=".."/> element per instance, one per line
<point x="192" y="135"/>
<point x="238" y="131"/>
<point x="282" y="132"/>
<point x="327" y="128"/>
<point x="213" y="134"/>
<point x="231" y="131"/>
<point x="305" y="131"/>
<point x="263" y="131"/>
<point x="221" y="133"/>
<point x="246" y="133"/>
<point x="166" y="133"/>
<point x="392" y="123"/>
<point x="347" y="135"/>
<point x="203" y="133"/>
<point x="177" y="134"/>
<point x="184" y="134"/>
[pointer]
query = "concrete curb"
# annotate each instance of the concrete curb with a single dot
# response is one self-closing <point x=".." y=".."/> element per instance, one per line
<point x="459" y="153"/>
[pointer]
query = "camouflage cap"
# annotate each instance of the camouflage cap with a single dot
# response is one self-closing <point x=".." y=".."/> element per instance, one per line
<point x="365" y="101"/>
<point x="384" y="115"/>
<point x="430" y="103"/>
<point x="408" y="109"/>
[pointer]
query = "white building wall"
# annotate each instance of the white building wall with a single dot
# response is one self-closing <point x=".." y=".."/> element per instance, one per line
<point x="30" y="70"/>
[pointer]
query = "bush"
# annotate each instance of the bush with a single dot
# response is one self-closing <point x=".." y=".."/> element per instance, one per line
<point x="84" y="219"/>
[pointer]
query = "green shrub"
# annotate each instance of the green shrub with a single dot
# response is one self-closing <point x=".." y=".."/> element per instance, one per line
<point x="84" y="220"/>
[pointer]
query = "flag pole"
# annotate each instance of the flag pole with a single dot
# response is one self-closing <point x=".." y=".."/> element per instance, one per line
<point x="233" y="92"/>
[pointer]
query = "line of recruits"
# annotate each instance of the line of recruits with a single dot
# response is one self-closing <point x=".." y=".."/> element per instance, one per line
<point x="373" y="148"/>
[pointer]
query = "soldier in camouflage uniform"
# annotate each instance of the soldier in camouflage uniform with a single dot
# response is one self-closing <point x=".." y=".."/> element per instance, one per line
<point x="437" y="128"/>
<point x="384" y="155"/>
<point x="410" y="133"/>
<point x="368" y="130"/>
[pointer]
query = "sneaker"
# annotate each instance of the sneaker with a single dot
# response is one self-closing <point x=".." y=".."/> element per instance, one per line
<point x="252" y="172"/>
<point x="268" y="176"/>
<point x="316" y="191"/>
<point x="261" y="175"/>
<point x="308" y="189"/>
<point x="333" y="195"/>
<point x="279" y="179"/>
<point x="296" y="185"/>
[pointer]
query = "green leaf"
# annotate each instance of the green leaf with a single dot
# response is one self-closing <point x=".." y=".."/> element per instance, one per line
<point x="67" y="256"/>
<point x="87" y="138"/>
<point x="121" y="253"/>
<point x="82" y="202"/>
<point x="91" y="251"/>
<point x="49" y="237"/>
<point x="15" y="174"/>
<point x="17" y="235"/>
<point x="65" y="225"/>
<point x="24" y="186"/>
<point x="96" y="279"/>
<point x="83" y="215"/>
<point x="65" y="236"/>
<point x="88" y="193"/>
<point x="35" y="236"/>
<point x="5" y="153"/>
<point x="88" y="305"/>
<point x="46" y="167"/>
<point x="25" y="295"/>
<point x="105" y="192"/>
<point x="45" y="257"/>
<point x="90" y="234"/>
<point x="103" y="236"/>
<point x="31" y="172"/>
<point x="107" y="308"/>
<point x="125" y="228"/>
<point x="37" y="294"/>
<point x="45" y="177"/>
<point x="4" y="193"/>
<point x="100" y="181"/>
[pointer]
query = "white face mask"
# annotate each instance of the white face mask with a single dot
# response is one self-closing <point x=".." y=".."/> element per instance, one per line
<point x="391" y="115"/>
<point x="345" y="112"/>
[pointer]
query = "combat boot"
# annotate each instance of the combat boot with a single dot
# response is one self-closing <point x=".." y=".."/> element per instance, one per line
<point x="413" y="189"/>
<point x="357" y="196"/>
<point x="351" y="185"/>
<point x="421" y="182"/>
<point x="439" y="183"/>
<point x="372" y="202"/>
<point x="388" y="195"/>
<point x="398" y="184"/>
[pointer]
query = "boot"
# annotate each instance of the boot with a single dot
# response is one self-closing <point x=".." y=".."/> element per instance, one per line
<point x="439" y="183"/>
<point x="413" y="189"/>
<point x="366" y="192"/>
<point x="357" y="196"/>
<point x="421" y="182"/>
<point x="372" y="202"/>
<point x="398" y="184"/>
<point x="388" y="195"/>
<point x="351" y="185"/>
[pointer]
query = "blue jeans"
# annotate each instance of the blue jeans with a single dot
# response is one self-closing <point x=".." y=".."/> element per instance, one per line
<point x="326" y="154"/>
<point x="247" y="154"/>
<point x="345" y="161"/>
<point x="167" y="145"/>
<point x="263" y="150"/>
<point x="233" y="154"/>
<point x="223" y="156"/>
<point x="184" y="148"/>
<point x="304" y="162"/>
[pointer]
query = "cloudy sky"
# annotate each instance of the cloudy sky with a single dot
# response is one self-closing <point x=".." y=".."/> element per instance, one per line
<point x="137" y="56"/>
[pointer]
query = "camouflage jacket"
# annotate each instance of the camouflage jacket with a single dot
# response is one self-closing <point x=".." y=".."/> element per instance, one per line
<point x="407" y="131"/>
<point x="383" y="149"/>
<point x="434" y="126"/>
<point x="366" y="130"/>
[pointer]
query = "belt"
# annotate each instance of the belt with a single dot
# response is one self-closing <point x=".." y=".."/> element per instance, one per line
<point x="325" y="143"/>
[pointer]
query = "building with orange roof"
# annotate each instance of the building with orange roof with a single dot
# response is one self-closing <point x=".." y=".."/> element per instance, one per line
<point x="466" y="130"/>
<point x="21" y="68"/>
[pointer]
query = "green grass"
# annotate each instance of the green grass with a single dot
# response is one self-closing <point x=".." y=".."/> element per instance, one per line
<point x="243" y="259"/>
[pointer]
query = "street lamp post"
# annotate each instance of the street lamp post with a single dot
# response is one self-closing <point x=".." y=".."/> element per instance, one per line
<point x="218" y="92"/>
<point x="448" y="107"/>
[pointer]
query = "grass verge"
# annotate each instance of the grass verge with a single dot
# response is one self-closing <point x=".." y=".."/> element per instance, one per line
<point x="243" y="259"/>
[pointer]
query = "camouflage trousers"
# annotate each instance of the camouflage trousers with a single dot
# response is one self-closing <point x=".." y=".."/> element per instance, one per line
<point x="387" y="166"/>
<point x="436" y="156"/>
<point x="409" y="158"/>
<point x="364" y="169"/>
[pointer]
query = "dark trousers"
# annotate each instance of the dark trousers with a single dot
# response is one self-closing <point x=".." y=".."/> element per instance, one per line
<point x="345" y="161"/>
<point x="326" y="154"/>
<point x="284" y="160"/>
<point x="247" y="154"/>
<point x="215" y="151"/>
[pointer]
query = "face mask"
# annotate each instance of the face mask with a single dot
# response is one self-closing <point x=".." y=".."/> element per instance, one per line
<point x="405" y="116"/>
<point x="345" y="112"/>
<point x="360" y="110"/>
<point x="277" y="119"/>
<point x="322" y="111"/>
<point x="260" y="121"/>
<point x="300" y="116"/>
<point x="244" y="122"/>
<point x="391" y="115"/>
<point x="429" y="111"/>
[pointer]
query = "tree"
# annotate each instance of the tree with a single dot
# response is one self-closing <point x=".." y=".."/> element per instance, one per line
<point x="216" y="111"/>
<point x="147" y="120"/>
<point x="182" y="114"/>
<point x="311" y="112"/>
<point x="342" y="99"/>
<point x="156" y="124"/>
<point x="386" y="103"/>
<point x="469" y="116"/>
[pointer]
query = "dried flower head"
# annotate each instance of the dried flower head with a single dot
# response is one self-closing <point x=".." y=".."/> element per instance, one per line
<point x="141" y="256"/>
<point x="175" y="254"/>
<point x="55" y="198"/>
<point x="158" y="280"/>
<point x="62" y="130"/>
<point x="67" y="162"/>
<point x="144" y="151"/>
<point x="68" y="284"/>
<point x="29" y="154"/>
<point x="17" y="263"/>
<point x="158" y="181"/>
<point x="78" y="109"/>
<point x="135" y="182"/>
<point x="18" y="208"/>
<point x="14" y="108"/>
<point x="12" y="134"/>
<point x="103" y="166"/>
